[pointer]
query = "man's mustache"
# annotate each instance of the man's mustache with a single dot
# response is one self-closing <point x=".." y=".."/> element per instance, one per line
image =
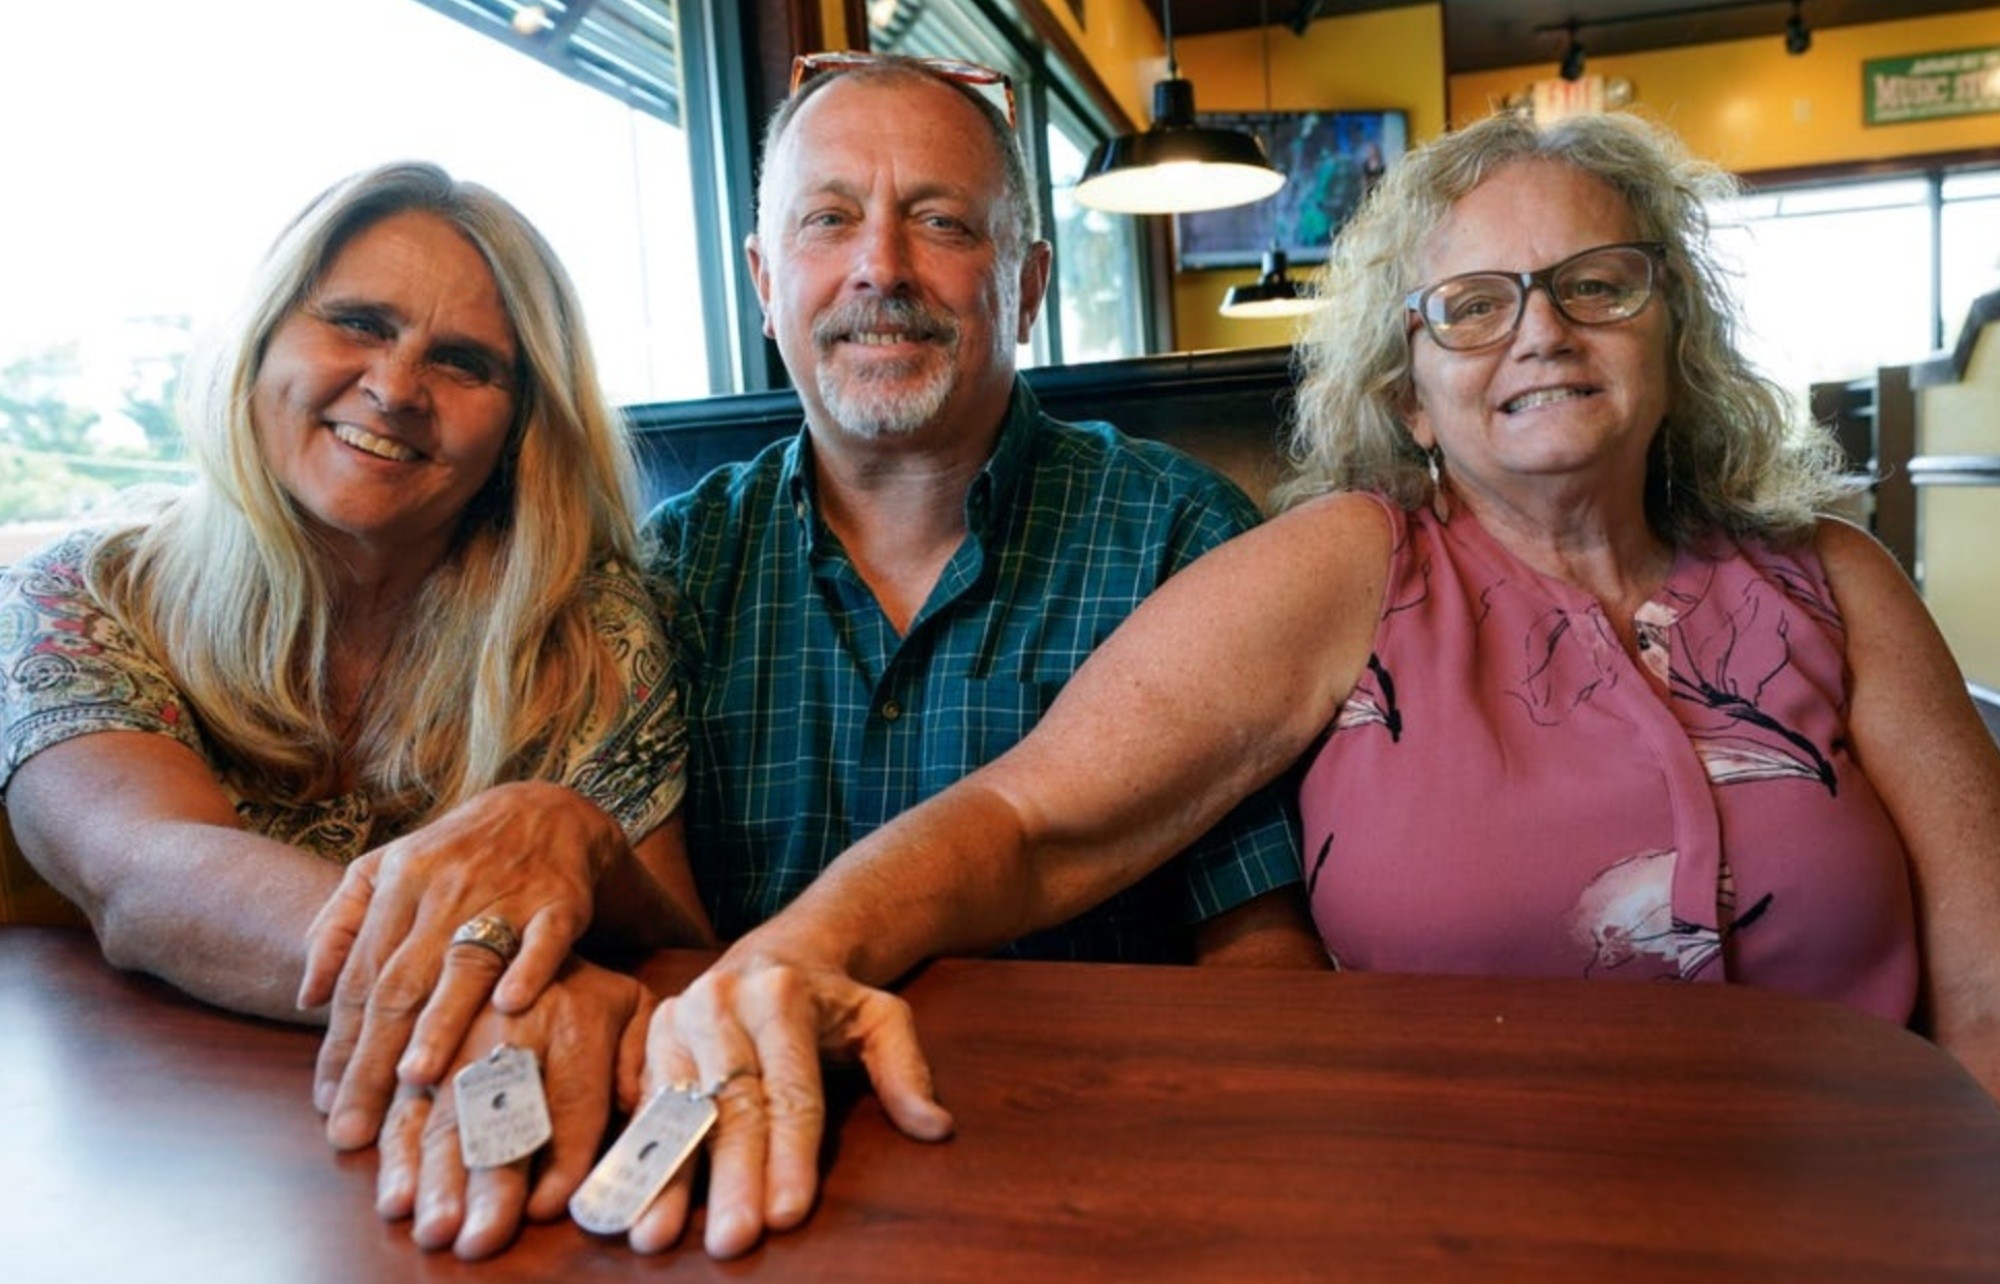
<point x="911" y="318"/>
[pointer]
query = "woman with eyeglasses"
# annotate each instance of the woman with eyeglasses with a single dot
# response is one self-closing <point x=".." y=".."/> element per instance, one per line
<point x="1579" y="677"/>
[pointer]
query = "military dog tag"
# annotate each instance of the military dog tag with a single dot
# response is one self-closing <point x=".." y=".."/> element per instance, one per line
<point x="502" y="1114"/>
<point x="658" y="1141"/>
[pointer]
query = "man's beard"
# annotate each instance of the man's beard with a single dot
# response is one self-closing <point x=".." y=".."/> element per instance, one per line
<point x="878" y="399"/>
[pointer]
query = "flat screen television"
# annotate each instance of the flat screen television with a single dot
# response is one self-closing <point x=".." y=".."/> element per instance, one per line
<point x="1330" y="160"/>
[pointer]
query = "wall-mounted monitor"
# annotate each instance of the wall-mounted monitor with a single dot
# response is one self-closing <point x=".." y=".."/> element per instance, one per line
<point x="1330" y="160"/>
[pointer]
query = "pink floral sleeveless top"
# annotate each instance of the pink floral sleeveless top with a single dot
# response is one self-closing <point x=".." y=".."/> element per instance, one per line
<point x="1509" y="791"/>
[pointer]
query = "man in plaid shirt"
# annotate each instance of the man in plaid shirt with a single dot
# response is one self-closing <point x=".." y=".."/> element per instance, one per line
<point x="876" y="607"/>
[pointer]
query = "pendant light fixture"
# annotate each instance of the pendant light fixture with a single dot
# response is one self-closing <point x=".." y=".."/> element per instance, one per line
<point x="1176" y="166"/>
<point x="1273" y="294"/>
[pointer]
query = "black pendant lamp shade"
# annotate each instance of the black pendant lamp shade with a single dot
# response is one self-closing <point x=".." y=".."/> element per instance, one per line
<point x="1274" y="294"/>
<point x="1177" y="166"/>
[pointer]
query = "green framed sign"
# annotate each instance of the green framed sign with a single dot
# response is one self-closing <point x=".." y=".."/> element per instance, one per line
<point x="1960" y="82"/>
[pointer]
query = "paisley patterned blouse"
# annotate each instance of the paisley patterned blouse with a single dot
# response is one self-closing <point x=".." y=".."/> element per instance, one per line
<point x="1508" y="791"/>
<point x="68" y="669"/>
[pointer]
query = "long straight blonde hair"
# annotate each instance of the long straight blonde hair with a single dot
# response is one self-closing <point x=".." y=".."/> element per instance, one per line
<point x="496" y="663"/>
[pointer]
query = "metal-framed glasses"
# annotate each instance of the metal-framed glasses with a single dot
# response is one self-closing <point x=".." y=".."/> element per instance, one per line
<point x="1596" y="287"/>
<point x="955" y="70"/>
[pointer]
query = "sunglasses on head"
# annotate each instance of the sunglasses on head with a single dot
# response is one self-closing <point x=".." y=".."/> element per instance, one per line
<point x="954" y="70"/>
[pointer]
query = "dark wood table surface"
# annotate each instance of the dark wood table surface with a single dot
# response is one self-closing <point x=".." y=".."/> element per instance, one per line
<point x="1115" y="1123"/>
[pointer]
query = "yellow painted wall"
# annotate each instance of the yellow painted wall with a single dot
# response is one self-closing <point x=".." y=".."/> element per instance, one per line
<point x="1124" y="47"/>
<point x="1390" y="58"/>
<point x="1748" y="105"/>
<point x="833" y="26"/>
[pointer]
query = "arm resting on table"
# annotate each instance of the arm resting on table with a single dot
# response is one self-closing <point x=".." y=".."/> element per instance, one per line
<point x="1220" y="680"/>
<point x="134" y="831"/>
<point x="1936" y="769"/>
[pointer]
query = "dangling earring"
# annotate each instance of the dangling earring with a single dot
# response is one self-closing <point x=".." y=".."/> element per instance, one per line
<point x="1440" y="502"/>
<point x="1665" y="485"/>
<point x="1666" y="477"/>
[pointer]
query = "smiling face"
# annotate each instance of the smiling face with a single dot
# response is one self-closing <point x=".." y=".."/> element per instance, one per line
<point x="1557" y="404"/>
<point x="384" y="398"/>
<point x="883" y="263"/>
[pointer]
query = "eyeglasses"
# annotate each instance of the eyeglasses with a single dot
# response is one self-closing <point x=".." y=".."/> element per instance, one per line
<point x="1597" y="287"/>
<point x="958" y="72"/>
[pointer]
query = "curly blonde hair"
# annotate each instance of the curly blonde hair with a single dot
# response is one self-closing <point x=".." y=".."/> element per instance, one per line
<point x="1740" y="462"/>
<point x="497" y="662"/>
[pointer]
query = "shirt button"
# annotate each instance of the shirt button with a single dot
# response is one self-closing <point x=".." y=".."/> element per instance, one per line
<point x="891" y="711"/>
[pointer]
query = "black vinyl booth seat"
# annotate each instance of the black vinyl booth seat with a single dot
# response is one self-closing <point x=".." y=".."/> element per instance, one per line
<point x="1228" y="408"/>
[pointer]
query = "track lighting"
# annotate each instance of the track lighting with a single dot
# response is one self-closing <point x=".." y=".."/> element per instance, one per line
<point x="1798" y="38"/>
<point x="1572" y="63"/>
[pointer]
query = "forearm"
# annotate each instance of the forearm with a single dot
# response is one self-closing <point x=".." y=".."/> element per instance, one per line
<point x="1144" y="750"/>
<point x="218" y="913"/>
<point x="975" y="868"/>
<point x="935" y="880"/>
<point x="636" y="917"/>
<point x="1272" y="930"/>
<point x="645" y="900"/>
<point x="133" y="829"/>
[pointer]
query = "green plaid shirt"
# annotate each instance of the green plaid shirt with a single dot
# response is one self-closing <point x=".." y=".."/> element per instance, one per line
<point x="812" y="722"/>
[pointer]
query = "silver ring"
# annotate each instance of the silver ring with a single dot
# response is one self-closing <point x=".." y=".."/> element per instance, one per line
<point x="489" y="932"/>
<point x="695" y="1092"/>
<point x="716" y="1085"/>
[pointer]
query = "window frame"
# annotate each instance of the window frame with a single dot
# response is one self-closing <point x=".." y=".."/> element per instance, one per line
<point x="1933" y="169"/>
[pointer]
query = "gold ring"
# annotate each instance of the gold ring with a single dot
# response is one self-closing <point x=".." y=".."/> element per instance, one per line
<point x="489" y="932"/>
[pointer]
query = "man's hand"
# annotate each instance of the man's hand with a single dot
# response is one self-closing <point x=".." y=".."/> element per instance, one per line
<point x="757" y="1026"/>
<point x="580" y="1029"/>
<point x="402" y="996"/>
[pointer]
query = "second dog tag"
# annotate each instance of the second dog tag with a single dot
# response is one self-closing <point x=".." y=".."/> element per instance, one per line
<point x="660" y="1138"/>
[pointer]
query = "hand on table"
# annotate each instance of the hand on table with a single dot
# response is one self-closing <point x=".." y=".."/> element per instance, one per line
<point x="380" y="951"/>
<point x="584" y="1025"/>
<point x="758" y="1026"/>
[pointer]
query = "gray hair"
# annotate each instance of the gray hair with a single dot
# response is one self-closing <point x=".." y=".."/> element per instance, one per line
<point x="1022" y="225"/>
<point x="1729" y="456"/>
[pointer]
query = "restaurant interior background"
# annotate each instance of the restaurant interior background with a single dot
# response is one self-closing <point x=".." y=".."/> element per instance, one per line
<point x="155" y="150"/>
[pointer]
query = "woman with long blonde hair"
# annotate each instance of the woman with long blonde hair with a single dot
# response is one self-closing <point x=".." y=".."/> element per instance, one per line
<point x="376" y="717"/>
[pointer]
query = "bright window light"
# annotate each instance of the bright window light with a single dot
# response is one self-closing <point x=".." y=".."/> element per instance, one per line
<point x="154" y="151"/>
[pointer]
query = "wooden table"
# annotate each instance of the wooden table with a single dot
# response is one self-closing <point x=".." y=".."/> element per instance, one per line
<point x="1115" y="1123"/>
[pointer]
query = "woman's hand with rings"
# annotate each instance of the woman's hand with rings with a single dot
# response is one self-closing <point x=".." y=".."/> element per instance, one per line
<point x="754" y="1028"/>
<point x="382" y="951"/>
<point x="490" y="932"/>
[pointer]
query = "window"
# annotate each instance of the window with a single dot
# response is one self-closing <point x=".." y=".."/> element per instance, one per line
<point x="1969" y="245"/>
<point x="1840" y="278"/>
<point x="1100" y="256"/>
<point x="154" y="151"/>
